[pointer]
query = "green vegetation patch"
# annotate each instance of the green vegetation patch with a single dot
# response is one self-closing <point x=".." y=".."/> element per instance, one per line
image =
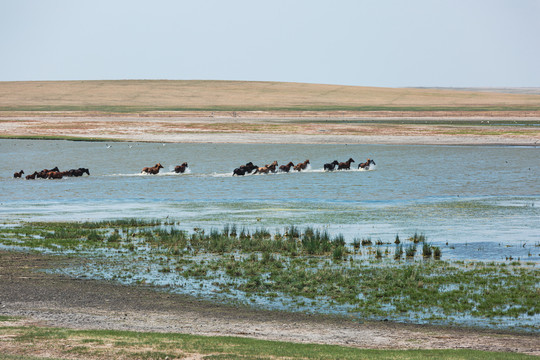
<point x="64" y="343"/>
<point x="308" y="270"/>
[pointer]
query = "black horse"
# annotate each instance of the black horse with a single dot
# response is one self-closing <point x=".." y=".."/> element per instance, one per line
<point x="331" y="166"/>
<point x="244" y="169"/>
<point x="180" y="169"/>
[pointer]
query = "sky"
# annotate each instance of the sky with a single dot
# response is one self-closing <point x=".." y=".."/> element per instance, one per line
<point x="386" y="43"/>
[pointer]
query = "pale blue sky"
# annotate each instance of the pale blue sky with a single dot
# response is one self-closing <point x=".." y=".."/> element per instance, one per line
<point x="369" y="43"/>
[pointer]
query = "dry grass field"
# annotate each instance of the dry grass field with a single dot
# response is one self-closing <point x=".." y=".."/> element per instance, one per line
<point x="270" y="112"/>
<point x="141" y="95"/>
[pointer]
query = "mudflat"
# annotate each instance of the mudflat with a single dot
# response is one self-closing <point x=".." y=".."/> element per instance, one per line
<point x="444" y="128"/>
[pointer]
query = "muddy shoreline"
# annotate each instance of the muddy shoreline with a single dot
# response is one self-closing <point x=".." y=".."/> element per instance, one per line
<point x="432" y="128"/>
<point x="60" y="301"/>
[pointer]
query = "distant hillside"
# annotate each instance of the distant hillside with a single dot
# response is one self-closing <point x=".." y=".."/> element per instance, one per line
<point x="171" y="95"/>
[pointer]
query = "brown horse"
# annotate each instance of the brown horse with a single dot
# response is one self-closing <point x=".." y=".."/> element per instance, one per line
<point x="366" y="164"/>
<point x="180" y="169"/>
<point x="266" y="169"/>
<point x="301" y="166"/>
<point x="54" y="175"/>
<point x="345" y="165"/>
<point x="32" y="176"/>
<point x="18" y="174"/>
<point x="44" y="173"/>
<point x="286" y="168"/>
<point x="152" y="170"/>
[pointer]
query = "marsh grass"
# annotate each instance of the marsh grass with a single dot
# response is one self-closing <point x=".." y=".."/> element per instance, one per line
<point x="427" y="250"/>
<point x="299" y="264"/>
<point x="417" y="238"/>
<point x="410" y="251"/>
<point x="398" y="253"/>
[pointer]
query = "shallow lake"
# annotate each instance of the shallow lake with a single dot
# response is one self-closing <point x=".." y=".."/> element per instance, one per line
<point x="479" y="203"/>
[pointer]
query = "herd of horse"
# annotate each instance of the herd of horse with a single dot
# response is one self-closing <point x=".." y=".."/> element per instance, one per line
<point x="248" y="168"/>
<point x="53" y="173"/>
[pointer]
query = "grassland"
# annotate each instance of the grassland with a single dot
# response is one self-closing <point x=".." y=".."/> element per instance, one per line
<point x="270" y="112"/>
<point x="25" y="342"/>
<point x="161" y="95"/>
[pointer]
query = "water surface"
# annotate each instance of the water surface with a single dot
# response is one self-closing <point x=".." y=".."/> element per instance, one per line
<point x="479" y="202"/>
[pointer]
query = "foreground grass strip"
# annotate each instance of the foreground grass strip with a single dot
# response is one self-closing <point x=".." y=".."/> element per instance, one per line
<point x="27" y="342"/>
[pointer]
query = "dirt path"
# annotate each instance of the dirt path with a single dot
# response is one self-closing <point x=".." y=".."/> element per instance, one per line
<point x="54" y="300"/>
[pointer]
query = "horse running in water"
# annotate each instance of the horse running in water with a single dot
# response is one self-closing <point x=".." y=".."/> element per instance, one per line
<point x="345" y="165"/>
<point x="18" y="174"/>
<point x="152" y="170"/>
<point x="366" y="164"/>
<point x="244" y="169"/>
<point x="301" y="166"/>
<point x="180" y="169"/>
<point x="76" y="172"/>
<point x="331" y="166"/>
<point x="286" y="168"/>
<point x="267" y="168"/>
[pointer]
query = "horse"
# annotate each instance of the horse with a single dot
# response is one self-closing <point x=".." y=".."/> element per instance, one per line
<point x="18" y="174"/>
<point x="180" y="169"/>
<point x="32" y="176"/>
<point x="286" y="168"/>
<point x="244" y="169"/>
<point x="152" y="170"/>
<point x="345" y="165"/>
<point x="82" y="171"/>
<point x="76" y="172"/>
<point x="301" y="166"/>
<point x="266" y="169"/>
<point x="249" y="167"/>
<point x="366" y="164"/>
<point x="331" y="166"/>
<point x="44" y="173"/>
<point x="240" y="171"/>
<point x="54" y="175"/>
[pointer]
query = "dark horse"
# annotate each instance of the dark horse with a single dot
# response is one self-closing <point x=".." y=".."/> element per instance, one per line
<point x="180" y="169"/>
<point x="32" y="176"/>
<point x="286" y="168"/>
<point x="366" y="164"/>
<point x="76" y="172"/>
<point x="331" y="166"/>
<point x="301" y="166"/>
<point x="18" y="174"/>
<point x="345" y="165"/>
<point x="244" y="169"/>
<point x="152" y="170"/>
